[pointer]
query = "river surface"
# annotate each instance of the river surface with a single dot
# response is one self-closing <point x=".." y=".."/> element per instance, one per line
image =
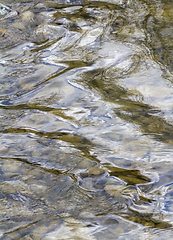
<point x="86" y="119"/>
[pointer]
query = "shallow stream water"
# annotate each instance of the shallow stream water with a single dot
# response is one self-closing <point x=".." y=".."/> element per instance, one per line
<point x="86" y="119"/>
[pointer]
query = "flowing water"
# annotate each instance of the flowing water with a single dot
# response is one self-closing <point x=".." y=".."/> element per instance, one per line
<point x="86" y="119"/>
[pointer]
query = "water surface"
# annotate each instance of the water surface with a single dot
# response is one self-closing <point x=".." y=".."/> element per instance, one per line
<point x="86" y="130"/>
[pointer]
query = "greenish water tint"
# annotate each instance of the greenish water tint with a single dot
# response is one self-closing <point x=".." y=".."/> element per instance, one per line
<point x="86" y="129"/>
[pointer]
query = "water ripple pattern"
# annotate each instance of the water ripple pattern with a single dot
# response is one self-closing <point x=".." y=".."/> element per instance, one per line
<point x="86" y="129"/>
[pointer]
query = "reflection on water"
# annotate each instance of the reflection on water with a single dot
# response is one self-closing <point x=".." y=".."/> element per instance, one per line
<point x="86" y="101"/>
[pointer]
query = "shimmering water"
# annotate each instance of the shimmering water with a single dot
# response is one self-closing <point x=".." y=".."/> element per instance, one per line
<point x="86" y="129"/>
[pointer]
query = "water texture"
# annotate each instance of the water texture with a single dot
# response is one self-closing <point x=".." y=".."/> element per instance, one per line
<point x="86" y="129"/>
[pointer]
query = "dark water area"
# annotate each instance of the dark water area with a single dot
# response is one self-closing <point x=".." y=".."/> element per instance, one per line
<point x="86" y="129"/>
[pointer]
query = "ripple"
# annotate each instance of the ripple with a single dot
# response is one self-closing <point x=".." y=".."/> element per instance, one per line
<point x="86" y="120"/>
